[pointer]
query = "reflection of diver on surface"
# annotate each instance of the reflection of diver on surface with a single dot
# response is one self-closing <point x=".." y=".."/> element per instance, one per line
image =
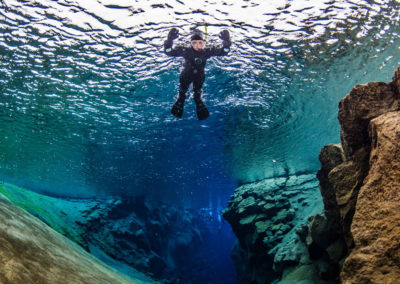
<point x="193" y="69"/>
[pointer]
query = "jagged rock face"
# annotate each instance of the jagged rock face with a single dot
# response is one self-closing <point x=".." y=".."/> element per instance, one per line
<point x="330" y="156"/>
<point x="346" y="180"/>
<point x="359" y="178"/>
<point x="149" y="238"/>
<point x="356" y="110"/>
<point x="365" y="186"/>
<point x="362" y="104"/>
<point x="31" y="252"/>
<point x="264" y="216"/>
<point x="396" y="82"/>
<point x="259" y="221"/>
<point x="376" y="222"/>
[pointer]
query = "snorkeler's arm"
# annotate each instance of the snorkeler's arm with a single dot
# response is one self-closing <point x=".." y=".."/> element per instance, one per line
<point x="226" y="45"/>
<point x="177" y="51"/>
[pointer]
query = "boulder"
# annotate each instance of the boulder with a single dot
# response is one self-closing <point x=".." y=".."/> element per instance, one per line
<point x="331" y="156"/>
<point x="337" y="250"/>
<point x="322" y="231"/>
<point x="396" y="83"/>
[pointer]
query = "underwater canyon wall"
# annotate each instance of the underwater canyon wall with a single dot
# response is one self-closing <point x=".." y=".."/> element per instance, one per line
<point x="370" y="131"/>
<point x="32" y="252"/>
<point x="269" y="218"/>
<point x="132" y="234"/>
<point x="356" y="238"/>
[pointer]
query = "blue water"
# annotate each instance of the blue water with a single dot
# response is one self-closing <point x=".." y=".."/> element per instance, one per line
<point x="87" y="90"/>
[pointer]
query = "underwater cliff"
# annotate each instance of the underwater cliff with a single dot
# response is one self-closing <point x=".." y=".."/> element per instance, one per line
<point x="370" y="135"/>
<point x="134" y="235"/>
<point x="32" y="252"/>
<point x="356" y="237"/>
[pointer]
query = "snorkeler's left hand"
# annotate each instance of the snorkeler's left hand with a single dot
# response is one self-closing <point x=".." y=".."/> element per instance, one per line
<point x="224" y="35"/>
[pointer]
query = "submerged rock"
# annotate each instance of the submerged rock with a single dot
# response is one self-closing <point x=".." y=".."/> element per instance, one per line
<point x="346" y="180"/>
<point x="375" y="257"/>
<point x="265" y="216"/>
<point x="359" y="181"/>
<point x="362" y="191"/>
<point x="32" y="252"/>
<point x="356" y="110"/>
<point x="154" y="240"/>
<point x="330" y="156"/>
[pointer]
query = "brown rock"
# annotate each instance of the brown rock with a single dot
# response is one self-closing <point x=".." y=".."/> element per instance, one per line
<point x="346" y="180"/>
<point x="362" y="104"/>
<point x="376" y="222"/>
<point x="396" y="82"/>
<point x="330" y="156"/>
<point x="322" y="231"/>
<point x="31" y="252"/>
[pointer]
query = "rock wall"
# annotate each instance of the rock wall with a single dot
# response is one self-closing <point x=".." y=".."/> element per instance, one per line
<point x="269" y="217"/>
<point x="362" y="192"/>
<point x="32" y="252"/>
<point x="356" y="237"/>
<point x="375" y="257"/>
<point x="161" y="241"/>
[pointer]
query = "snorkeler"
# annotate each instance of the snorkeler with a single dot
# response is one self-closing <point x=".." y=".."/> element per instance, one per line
<point x="193" y="69"/>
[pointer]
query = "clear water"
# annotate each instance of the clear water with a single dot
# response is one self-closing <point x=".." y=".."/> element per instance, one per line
<point x="86" y="92"/>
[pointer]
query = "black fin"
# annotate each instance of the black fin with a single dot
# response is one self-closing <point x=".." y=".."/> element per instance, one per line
<point x="202" y="111"/>
<point x="177" y="109"/>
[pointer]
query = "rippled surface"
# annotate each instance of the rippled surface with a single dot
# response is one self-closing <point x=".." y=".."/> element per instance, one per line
<point x="86" y="91"/>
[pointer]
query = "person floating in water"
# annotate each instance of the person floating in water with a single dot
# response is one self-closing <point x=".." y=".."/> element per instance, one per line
<point x="193" y="69"/>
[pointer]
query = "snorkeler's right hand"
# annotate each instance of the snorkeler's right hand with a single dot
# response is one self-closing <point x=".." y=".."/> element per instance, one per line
<point x="173" y="34"/>
<point x="224" y="35"/>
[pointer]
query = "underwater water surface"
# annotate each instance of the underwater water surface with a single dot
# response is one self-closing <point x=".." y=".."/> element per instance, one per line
<point x="86" y="92"/>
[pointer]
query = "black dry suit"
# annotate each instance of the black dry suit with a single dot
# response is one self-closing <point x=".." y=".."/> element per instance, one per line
<point x="193" y="67"/>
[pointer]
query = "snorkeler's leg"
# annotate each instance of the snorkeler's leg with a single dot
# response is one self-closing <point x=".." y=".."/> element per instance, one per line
<point x="177" y="108"/>
<point x="201" y="109"/>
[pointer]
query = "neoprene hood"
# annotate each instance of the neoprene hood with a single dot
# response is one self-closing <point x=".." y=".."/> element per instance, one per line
<point x="196" y="37"/>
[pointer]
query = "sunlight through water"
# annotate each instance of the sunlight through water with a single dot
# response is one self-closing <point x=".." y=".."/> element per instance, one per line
<point x="87" y="91"/>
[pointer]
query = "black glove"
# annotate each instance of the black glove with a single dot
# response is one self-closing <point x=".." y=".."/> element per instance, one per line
<point x="224" y="35"/>
<point x="173" y="34"/>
